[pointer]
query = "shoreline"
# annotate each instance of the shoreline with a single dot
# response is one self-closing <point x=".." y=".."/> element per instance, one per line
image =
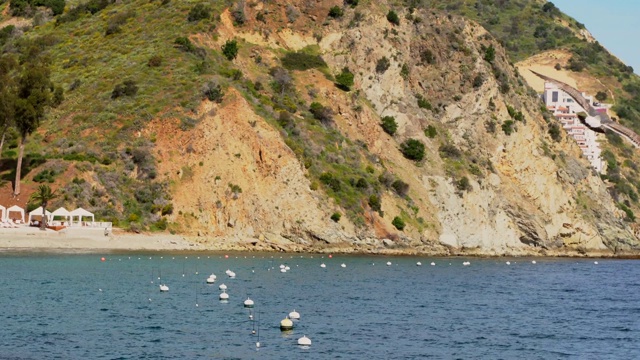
<point x="30" y="240"/>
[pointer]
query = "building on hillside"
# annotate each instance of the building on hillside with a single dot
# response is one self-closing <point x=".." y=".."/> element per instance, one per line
<point x="565" y="109"/>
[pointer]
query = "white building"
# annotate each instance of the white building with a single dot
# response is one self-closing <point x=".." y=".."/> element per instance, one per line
<point x="565" y="109"/>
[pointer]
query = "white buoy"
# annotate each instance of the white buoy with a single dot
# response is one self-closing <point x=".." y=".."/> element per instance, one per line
<point x="286" y="324"/>
<point x="418" y="263"/>
<point x="508" y="263"/>
<point x="323" y="265"/>
<point x="533" y="261"/>
<point x="388" y="263"/>
<point x="304" y="341"/>
<point x="248" y="303"/>
<point x="343" y="265"/>
<point x="224" y="296"/>
<point x="222" y="287"/>
<point x="164" y="288"/>
<point x="294" y="315"/>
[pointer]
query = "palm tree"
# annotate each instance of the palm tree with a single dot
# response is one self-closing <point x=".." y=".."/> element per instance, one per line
<point x="42" y="196"/>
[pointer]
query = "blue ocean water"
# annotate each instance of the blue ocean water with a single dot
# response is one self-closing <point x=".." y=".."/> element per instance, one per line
<point x="56" y="306"/>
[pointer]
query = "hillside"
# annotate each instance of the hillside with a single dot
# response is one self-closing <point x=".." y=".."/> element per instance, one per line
<point x="367" y="126"/>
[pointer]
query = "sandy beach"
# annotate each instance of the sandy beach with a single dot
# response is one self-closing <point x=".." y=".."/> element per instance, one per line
<point x="26" y="238"/>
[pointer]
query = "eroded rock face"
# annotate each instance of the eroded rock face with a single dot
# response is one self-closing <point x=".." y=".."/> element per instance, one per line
<point x="526" y="194"/>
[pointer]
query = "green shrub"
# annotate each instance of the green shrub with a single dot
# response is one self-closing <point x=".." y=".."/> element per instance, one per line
<point x="161" y="224"/>
<point x="427" y="57"/>
<point x="155" y="61"/>
<point x="185" y="44"/>
<point x="58" y="96"/>
<point x="449" y="151"/>
<point x="362" y="184"/>
<point x="330" y="181"/>
<point x="389" y="125"/>
<point x="45" y="176"/>
<point x="507" y="127"/>
<point x="393" y="18"/>
<point x="230" y="49"/>
<point x="235" y="188"/>
<point x="336" y="12"/>
<point x="478" y="81"/>
<point x="423" y="103"/>
<point x="463" y="184"/>
<point x="336" y="216"/>
<point x="490" y="54"/>
<point x="382" y="65"/>
<point x="400" y="187"/>
<point x="352" y="3"/>
<point x="398" y="223"/>
<point x="601" y="96"/>
<point x="199" y="12"/>
<point x="412" y="149"/>
<point x="554" y="132"/>
<point x="127" y="88"/>
<point x="213" y="91"/>
<point x="239" y="17"/>
<point x="322" y="113"/>
<point x="302" y="61"/>
<point x="431" y="132"/>
<point x="404" y="71"/>
<point x="374" y="202"/>
<point x="344" y="80"/>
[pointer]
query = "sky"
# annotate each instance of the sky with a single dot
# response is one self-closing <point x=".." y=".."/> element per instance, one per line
<point x="614" y="23"/>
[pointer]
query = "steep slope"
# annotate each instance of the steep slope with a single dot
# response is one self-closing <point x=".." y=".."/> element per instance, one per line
<point x="263" y="150"/>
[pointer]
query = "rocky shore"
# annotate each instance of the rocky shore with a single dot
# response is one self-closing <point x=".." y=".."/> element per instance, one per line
<point x="28" y="239"/>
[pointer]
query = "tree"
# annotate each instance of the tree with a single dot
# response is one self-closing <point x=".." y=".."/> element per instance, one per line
<point x="412" y="149"/>
<point x="344" y="80"/>
<point x="43" y="196"/>
<point x="7" y="98"/>
<point x="382" y="65"/>
<point x="389" y="125"/>
<point x="393" y="18"/>
<point x="230" y="49"/>
<point x="398" y="223"/>
<point x="199" y="12"/>
<point x="490" y="54"/>
<point x="33" y="97"/>
<point x="601" y="96"/>
<point x="336" y="12"/>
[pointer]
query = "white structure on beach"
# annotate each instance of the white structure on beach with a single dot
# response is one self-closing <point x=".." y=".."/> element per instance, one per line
<point x="38" y="213"/>
<point x="81" y="213"/>
<point x="61" y="212"/>
<point x="15" y="209"/>
<point x="77" y="218"/>
<point x="565" y="109"/>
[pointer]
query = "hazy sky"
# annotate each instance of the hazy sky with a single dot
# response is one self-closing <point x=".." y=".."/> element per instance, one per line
<point x="614" y="23"/>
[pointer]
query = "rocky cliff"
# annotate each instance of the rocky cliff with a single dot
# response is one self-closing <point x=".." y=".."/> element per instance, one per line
<point x="492" y="180"/>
